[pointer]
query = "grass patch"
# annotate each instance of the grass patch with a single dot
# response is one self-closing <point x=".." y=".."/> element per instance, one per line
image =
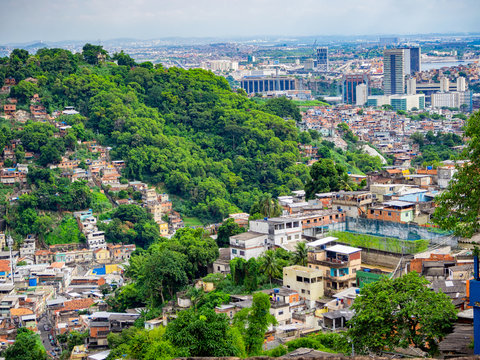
<point x="100" y="202"/>
<point x="65" y="233"/>
<point x="192" y="221"/>
<point x="309" y="103"/>
<point x="381" y="243"/>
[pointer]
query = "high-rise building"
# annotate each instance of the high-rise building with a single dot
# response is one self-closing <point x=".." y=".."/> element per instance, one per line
<point x="415" y="59"/>
<point x="322" y="59"/>
<point x="394" y="71"/>
<point x="411" y="86"/>
<point x="444" y="84"/>
<point x="362" y="94"/>
<point x="461" y="84"/>
<point x="349" y="87"/>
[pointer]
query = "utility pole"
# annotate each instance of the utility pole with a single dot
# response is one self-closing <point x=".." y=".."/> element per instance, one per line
<point x="10" y="245"/>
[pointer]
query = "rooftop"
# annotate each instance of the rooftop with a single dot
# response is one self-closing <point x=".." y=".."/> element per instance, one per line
<point x="343" y="249"/>
<point x="323" y="241"/>
<point x="247" y="235"/>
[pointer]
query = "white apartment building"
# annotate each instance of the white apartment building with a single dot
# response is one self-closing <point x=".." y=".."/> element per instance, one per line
<point x="362" y="94"/>
<point x="248" y="245"/>
<point x="96" y="240"/>
<point x="280" y="230"/>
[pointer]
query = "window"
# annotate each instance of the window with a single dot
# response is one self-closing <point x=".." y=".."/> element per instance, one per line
<point x="315" y="220"/>
<point x="303" y="291"/>
<point x="218" y="268"/>
<point x="299" y="279"/>
<point x="280" y="312"/>
<point x="308" y="292"/>
<point x="234" y="251"/>
<point x="371" y="212"/>
<point x="296" y="224"/>
<point x="242" y="252"/>
<point x="297" y="236"/>
<point x="336" y="216"/>
<point x="389" y="213"/>
<point x="289" y="225"/>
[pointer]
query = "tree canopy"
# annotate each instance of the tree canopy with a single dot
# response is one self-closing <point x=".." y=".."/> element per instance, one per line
<point x="459" y="206"/>
<point x="399" y="312"/>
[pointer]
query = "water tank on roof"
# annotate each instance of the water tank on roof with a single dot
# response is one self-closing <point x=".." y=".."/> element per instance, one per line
<point x="357" y="291"/>
<point x="367" y="270"/>
<point x="265" y="218"/>
<point x="276" y="290"/>
<point x="32" y="282"/>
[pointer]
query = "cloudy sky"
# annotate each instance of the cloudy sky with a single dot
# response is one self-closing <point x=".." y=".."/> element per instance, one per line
<point x="52" y="20"/>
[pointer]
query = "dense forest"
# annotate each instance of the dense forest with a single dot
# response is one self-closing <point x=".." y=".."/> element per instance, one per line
<point x="186" y="130"/>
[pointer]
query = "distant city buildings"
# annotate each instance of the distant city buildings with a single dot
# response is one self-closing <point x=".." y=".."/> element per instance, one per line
<point x="398" y="102"/>
<point x="322" y="59"/>
<point x="254" y="85"/>
<point x="349" y="87"/>
<point x="220" y="65"/>
<point x="394" y="71"/>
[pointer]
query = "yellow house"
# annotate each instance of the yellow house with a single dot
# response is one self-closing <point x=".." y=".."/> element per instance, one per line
<point x="306" y="281"/>
<point x="163" y="226"/>
<point x="102" y="255"/>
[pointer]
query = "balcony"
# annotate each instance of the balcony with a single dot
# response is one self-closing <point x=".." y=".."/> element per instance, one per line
<point x="329" y="262"/>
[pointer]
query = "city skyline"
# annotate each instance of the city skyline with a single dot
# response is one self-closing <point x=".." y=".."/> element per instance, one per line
<point x="55" y="20"/>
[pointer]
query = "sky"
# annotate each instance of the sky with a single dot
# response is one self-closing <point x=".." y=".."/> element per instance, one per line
<point x="56" y="20"/>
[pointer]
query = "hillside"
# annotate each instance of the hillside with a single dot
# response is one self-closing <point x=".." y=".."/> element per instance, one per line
<point x="186" y="131"/>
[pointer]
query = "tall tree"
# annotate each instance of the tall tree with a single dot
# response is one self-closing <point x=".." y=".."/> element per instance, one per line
<point x="253" y="323"/>
<point x="393" y="313"/>
<point x="326" y="176"/>
<point x="227" y="229"/>
<point x="459" y="206"/>
<point x="204" y="333"/>
<point x="269" y="265"/>
<point x="27" y="346"/>
<point x="266" y="206"/>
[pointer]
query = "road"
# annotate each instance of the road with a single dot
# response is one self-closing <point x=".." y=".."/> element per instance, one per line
<point x="44" y="334"/>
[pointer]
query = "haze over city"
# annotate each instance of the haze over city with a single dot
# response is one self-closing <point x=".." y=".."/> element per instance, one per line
<point x="55" y="20"/>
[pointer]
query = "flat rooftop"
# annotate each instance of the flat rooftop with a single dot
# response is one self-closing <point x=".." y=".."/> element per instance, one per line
<point x="247" y="235"/>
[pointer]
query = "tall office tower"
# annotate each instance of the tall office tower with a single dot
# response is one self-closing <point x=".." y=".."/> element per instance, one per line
<point x="349" y="86"/>
<point x="362" y="94"/>
<point x="394" y="71"/>
<point x="322" y="59"/>
<point x="411" y="86"/>
<point x="461" y="84"/>
<point x="444" y="84"/>
<point x="415" y="59"/>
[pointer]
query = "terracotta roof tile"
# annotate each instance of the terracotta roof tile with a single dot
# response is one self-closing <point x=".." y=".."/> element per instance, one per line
<point x="4" y="265"/>
<point x="20" y="312"/>
<point x="77" y="304"/>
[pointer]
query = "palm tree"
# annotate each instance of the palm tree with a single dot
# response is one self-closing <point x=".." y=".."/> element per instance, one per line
<point x="301" y="254"/>
<point x="345" y="183"/>
<point x="270" y="265"/>
<point x="269" y="207"/>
